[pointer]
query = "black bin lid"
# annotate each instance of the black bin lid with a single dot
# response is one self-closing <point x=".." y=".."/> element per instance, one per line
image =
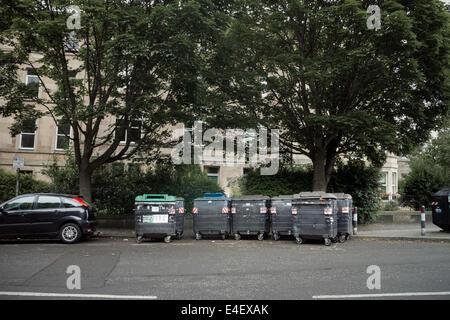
<point x="283" y="197"/>
<point x="444" y="192"/>
<point x="343" y="196"/>
<point x="314" y="195"/>
<point x="251" y="197"/>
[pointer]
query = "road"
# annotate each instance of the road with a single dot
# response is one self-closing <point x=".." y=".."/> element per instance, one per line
<point x="216" y="269"/>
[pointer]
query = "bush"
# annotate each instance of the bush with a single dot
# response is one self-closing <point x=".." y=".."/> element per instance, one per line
<point x="27" y="184"/>
<point x="425" y="178"/>
<point x="391" y="206"/>
<point x="430" y="171"/>
<point x="286" y="181"/>
<point x="115" y="186"/>
<point x="354" y="178"/>
<point x="362" y="182"/>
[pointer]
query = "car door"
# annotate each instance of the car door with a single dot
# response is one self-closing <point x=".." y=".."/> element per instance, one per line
<point x="46" y="213"/>
<point x="13" y="216"/>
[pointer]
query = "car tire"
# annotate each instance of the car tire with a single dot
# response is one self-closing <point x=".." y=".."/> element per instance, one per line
<point x="70" y="233"/>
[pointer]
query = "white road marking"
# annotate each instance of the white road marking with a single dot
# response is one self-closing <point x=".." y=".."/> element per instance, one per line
<point x="76" y="295"/>
<point x="378" y="295"/>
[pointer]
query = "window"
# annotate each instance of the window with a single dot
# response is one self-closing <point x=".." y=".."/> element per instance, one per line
<point x="213" y="173"/>
<point x="25" y="203"/>
<point x="62" y="135"/>
<point x="32" y="82"/>
<point x="48" y="202"/>
<point x="27" y="135"/>
<point x="394" y="182"/>
<point x="69" y="203"/>
<point x="133" y="132"/>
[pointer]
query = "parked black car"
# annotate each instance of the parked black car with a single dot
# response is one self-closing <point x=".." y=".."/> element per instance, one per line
<point x="51" y="215"/>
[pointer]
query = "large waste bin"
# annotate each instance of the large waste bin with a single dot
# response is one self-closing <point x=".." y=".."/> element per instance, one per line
<point x="179" y="217"/>
<point x="211" y="215"/>
<point x="440" y="207"/>
<point x="155" y="216"/>
<point x="249" y="216"/>
<point x="344" y="216"/>
<point x="314" y="216"/>
<point x="281" y="216"/>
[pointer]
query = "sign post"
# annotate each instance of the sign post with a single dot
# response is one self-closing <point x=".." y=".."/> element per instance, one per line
<point x="18" y="163"/>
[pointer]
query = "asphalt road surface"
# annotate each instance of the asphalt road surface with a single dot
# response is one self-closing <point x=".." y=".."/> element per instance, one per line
<point x="216" y="269"/>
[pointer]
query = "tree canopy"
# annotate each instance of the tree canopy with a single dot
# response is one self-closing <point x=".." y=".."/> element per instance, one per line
<point x="333" y="86"/>
<point x="129" y="71"/>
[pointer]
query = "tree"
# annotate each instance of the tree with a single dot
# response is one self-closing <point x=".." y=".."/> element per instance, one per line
<point x="430" y="171"/>
<point x="128" y="72"/>
<point x="333" y="86"/>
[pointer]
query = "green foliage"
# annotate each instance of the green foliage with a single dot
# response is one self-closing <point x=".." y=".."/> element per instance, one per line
<point x="286" y="181"/>
<point x="27" y="184"/>
<point x="354" y="178"/>
<point x="115" y="186"/>
<point x="362" y="182"/>
<point x="391" y="206"/>
<point x="313" y="69"/>
<point x="430" y="171"/>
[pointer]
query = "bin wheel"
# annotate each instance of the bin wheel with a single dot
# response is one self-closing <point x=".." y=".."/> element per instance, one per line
<point x="334" y="239"/>
<point x="167" y="239"/>
<point x="299" y="240"/>
<point x="276" y="236"/>
<point x="237" y="236"/>
<point x="347" y="236"/>
<point x="327" y="241"/>
<point x="139" y="239"/>
<point x="178" y="236"/>
<point x="198" y="236"/>
<point x="223" y="236"/>
<point x="261" y="236"/>
<point x="342" y="238"/>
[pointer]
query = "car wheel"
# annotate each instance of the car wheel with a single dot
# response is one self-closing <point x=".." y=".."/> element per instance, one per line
<point x="70" y="233"/>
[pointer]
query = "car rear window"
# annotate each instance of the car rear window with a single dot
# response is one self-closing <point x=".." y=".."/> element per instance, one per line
<point x="74" y="202"/>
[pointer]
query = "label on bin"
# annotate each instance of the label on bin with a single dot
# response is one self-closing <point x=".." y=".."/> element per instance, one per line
<point x="263" y="210"/>
<point x="156" y="218"/>
<point x="273" y="210"/>
<point x="155" y="209"/>
<point x="294" y="210"/>
<point x="345" y="210"/>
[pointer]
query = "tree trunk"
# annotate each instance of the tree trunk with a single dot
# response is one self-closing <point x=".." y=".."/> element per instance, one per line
<point x="85" y="184"/>
<point x="320" y="180"/>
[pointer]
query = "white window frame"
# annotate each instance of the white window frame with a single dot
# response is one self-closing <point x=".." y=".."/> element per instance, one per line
<point x="34" y="140"/>
<point x="394" y="182"/>
<point x="27" y="76"/>
<point x="60" y="134"/>
<point x="385" y="184"/>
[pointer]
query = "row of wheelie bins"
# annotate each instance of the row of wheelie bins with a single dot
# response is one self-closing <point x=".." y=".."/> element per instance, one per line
<point x="307" y="215"/>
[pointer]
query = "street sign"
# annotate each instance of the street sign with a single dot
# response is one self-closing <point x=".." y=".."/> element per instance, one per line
<point x="18" y="163"/>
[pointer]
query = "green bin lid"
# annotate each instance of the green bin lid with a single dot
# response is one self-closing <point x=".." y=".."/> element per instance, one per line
<point x="155" y="198"/>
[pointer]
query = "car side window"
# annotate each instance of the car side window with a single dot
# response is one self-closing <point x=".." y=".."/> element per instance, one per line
<point x="25" y="203"/>
<point x="48" y="202"/>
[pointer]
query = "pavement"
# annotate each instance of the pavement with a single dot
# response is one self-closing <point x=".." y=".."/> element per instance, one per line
<point x="375" y="231"/>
